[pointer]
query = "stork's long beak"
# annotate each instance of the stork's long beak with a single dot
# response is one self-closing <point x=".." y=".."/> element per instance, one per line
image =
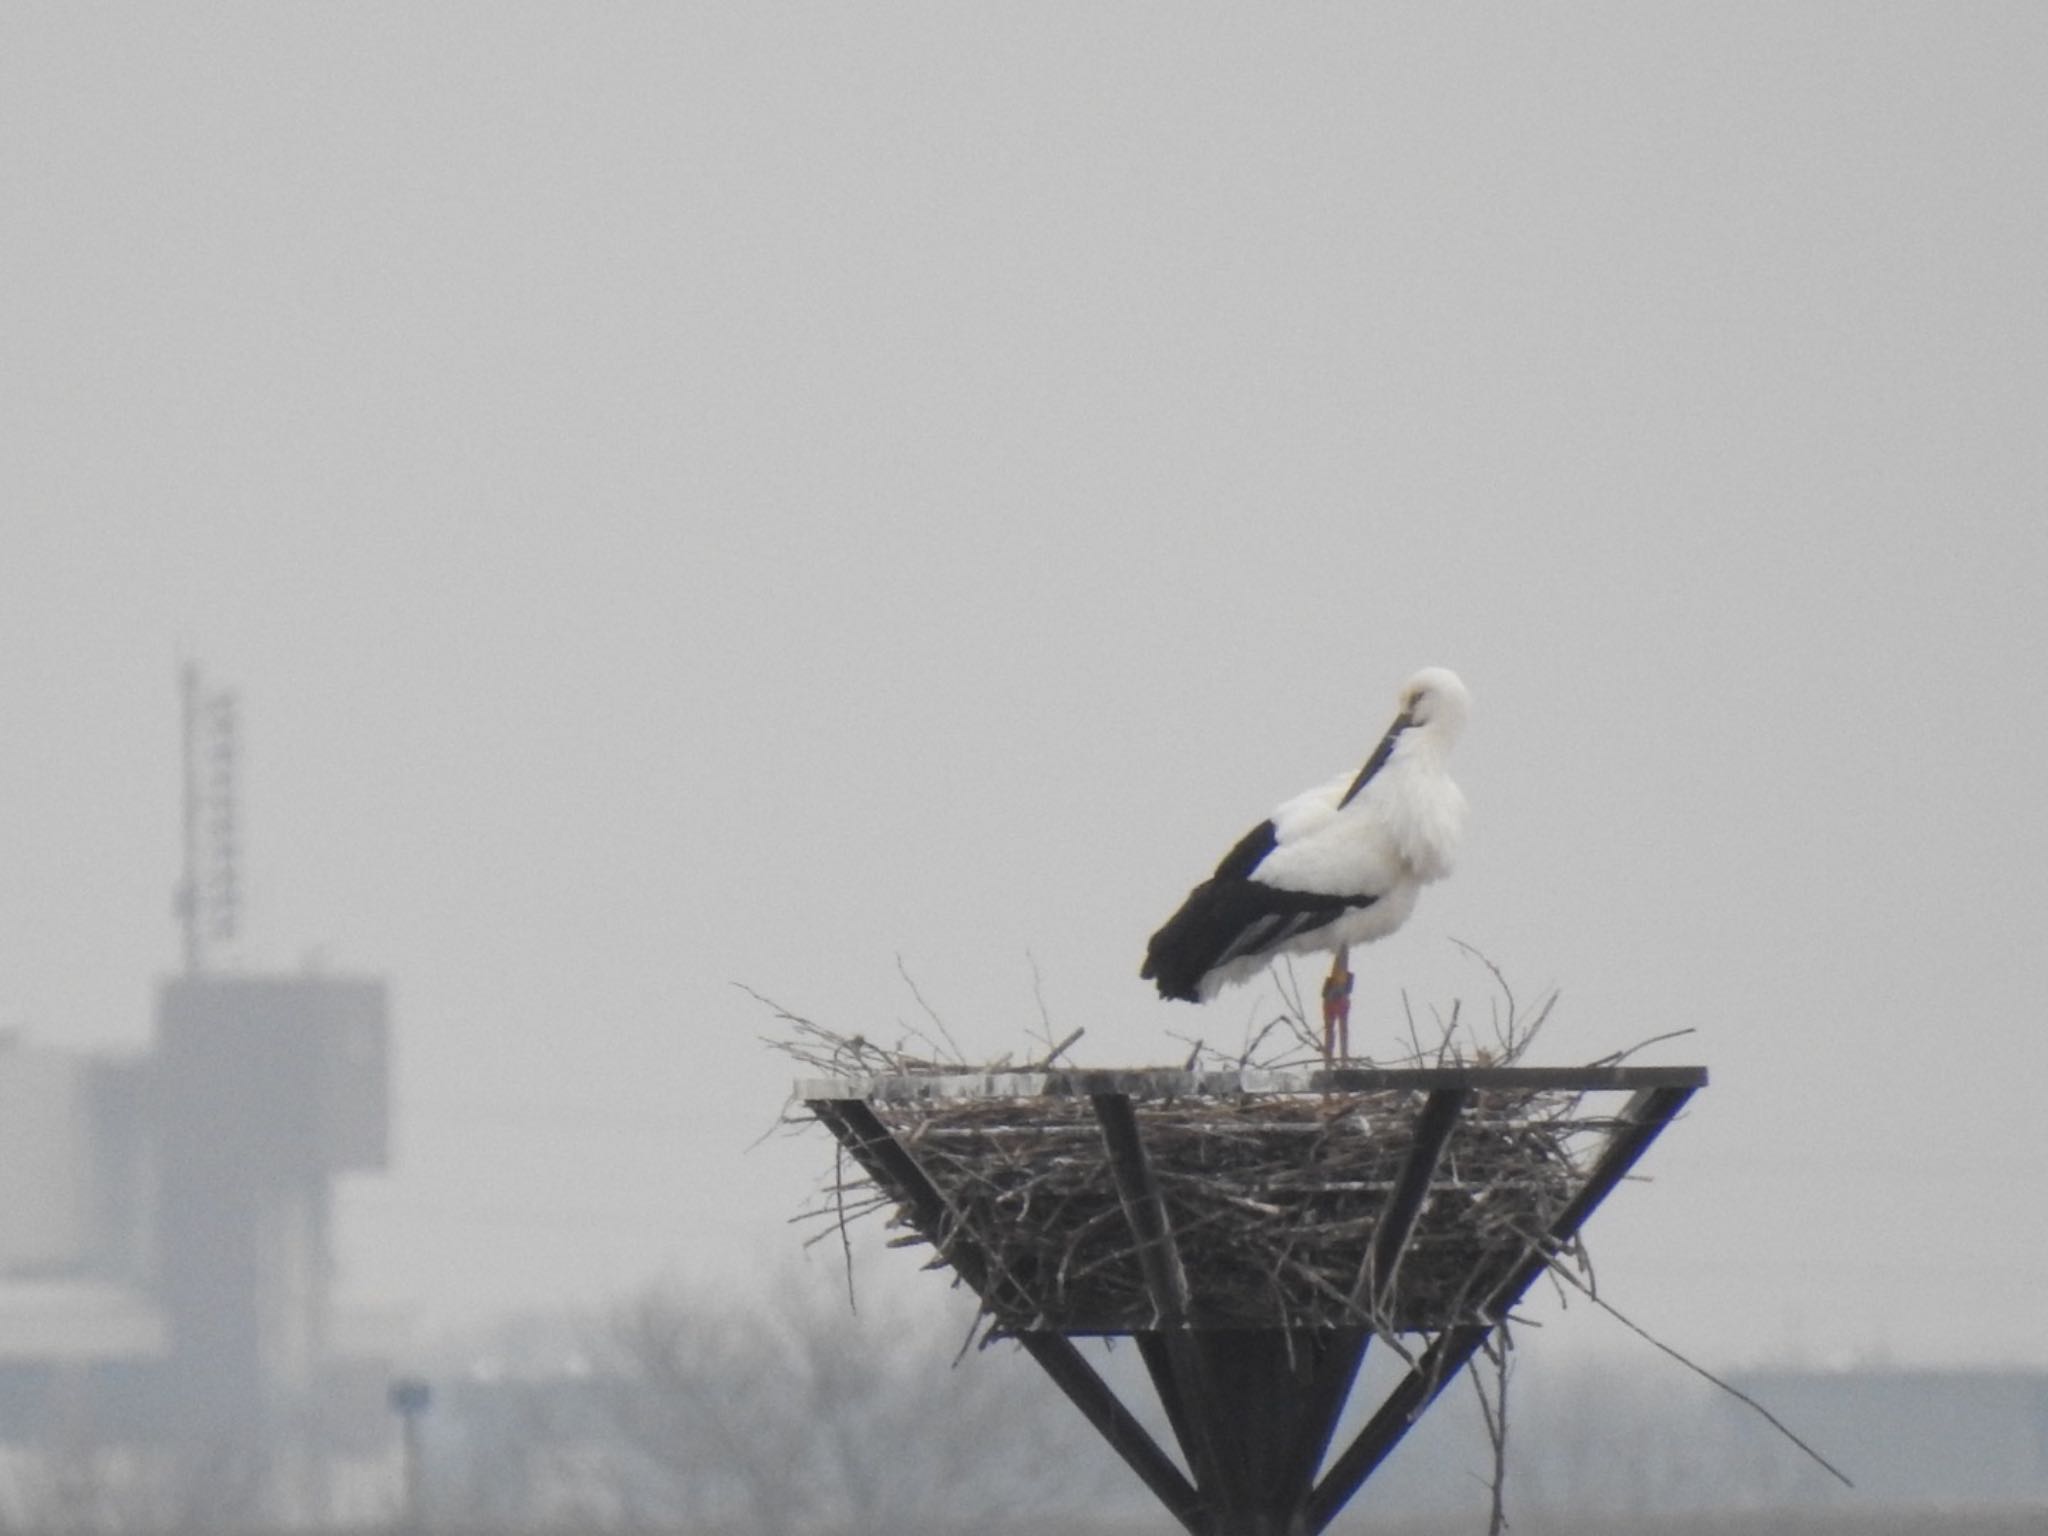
<point x="1379" y="757"/>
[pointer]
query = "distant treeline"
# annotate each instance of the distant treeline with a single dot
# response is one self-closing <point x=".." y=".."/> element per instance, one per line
<point x="788" y="1415"/>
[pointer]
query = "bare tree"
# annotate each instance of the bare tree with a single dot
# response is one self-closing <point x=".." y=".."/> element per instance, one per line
<point x="800" y="1415"/>
<point x="74" y="1481"/>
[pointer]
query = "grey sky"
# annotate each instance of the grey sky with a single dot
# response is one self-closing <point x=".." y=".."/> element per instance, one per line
<point x="736" y="493"/>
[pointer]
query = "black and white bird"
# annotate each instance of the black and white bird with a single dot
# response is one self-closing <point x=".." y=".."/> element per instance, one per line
<point x="1338" y="865"/>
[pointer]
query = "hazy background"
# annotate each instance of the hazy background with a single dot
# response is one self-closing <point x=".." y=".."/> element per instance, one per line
<point x="709" y="494"/>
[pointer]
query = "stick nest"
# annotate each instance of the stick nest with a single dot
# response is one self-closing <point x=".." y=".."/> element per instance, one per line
<point x="1272" y="1200"/>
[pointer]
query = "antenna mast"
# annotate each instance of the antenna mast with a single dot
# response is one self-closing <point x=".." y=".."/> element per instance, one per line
<point x="208" y="898"/>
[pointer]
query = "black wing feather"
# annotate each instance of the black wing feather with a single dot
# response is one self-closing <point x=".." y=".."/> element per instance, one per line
<point x="1227" y="918"/>
<point x="1230" y="915"/>
<point x="1250" y="852"/>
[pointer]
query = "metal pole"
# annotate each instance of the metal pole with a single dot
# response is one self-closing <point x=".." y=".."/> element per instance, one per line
<point x="410" y="1397"/>
<point x="415" y="1501"/>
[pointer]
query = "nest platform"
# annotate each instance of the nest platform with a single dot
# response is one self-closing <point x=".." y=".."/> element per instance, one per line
<point x="1252" y="1230"/>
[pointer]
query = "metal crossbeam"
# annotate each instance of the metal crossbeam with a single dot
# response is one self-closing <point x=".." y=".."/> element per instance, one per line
<point x="1396" y="1225"/>
<point x="1144" y="1208"/>
<point x="871" y="1145"/>
<point x="1087" y="1391"/>
<point x="1645" y="1115"/>
<point x="1175" y="1358"/>
<point x="1344" y="1353"/>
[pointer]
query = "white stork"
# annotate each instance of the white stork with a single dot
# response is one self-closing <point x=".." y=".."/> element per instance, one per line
<point x="1335" y="866"/>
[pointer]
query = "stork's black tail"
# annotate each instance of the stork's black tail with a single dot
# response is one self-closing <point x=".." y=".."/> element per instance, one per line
<point x="1181" y="952"/>
<point x="1226" y="919"/>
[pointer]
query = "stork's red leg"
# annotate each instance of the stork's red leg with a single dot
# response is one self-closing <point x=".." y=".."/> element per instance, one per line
<point x="1337" y="1009"/>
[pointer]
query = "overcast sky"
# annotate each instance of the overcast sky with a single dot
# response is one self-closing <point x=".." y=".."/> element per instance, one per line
<point x="727" y="493"/>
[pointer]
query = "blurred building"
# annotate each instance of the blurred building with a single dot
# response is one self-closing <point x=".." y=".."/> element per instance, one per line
<point x="164" y="1224"/>
<point x="165" y="1260"/>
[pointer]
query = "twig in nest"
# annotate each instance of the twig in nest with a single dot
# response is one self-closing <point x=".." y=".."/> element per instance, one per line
<point x="1615" y="1058"/>
<point x="1252" y="1045"/>
<point x="1701" y="1371"/>
<point x="845" y="1239"/>
<point x="1496" y="1350"/>
<point x="930" y="1012"/>
<point x="824" y="1050"/>
<point x="1045" y="1062"/>
<point x="1289" y="987"/>
<point x="1414" y="1038"/>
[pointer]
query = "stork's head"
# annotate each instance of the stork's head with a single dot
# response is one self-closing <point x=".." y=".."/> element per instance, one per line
<point x="1435" y="701"/>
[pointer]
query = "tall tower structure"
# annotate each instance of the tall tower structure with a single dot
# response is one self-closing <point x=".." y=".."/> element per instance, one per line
<point x="266" y="1088"/>
<point x="165" y="1215"/>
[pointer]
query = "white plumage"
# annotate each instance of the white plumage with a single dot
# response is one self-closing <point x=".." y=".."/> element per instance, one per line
<point x="1337" y="865"/>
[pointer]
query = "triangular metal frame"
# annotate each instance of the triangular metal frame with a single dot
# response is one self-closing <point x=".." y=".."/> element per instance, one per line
<point x="1254" y="1411"/>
